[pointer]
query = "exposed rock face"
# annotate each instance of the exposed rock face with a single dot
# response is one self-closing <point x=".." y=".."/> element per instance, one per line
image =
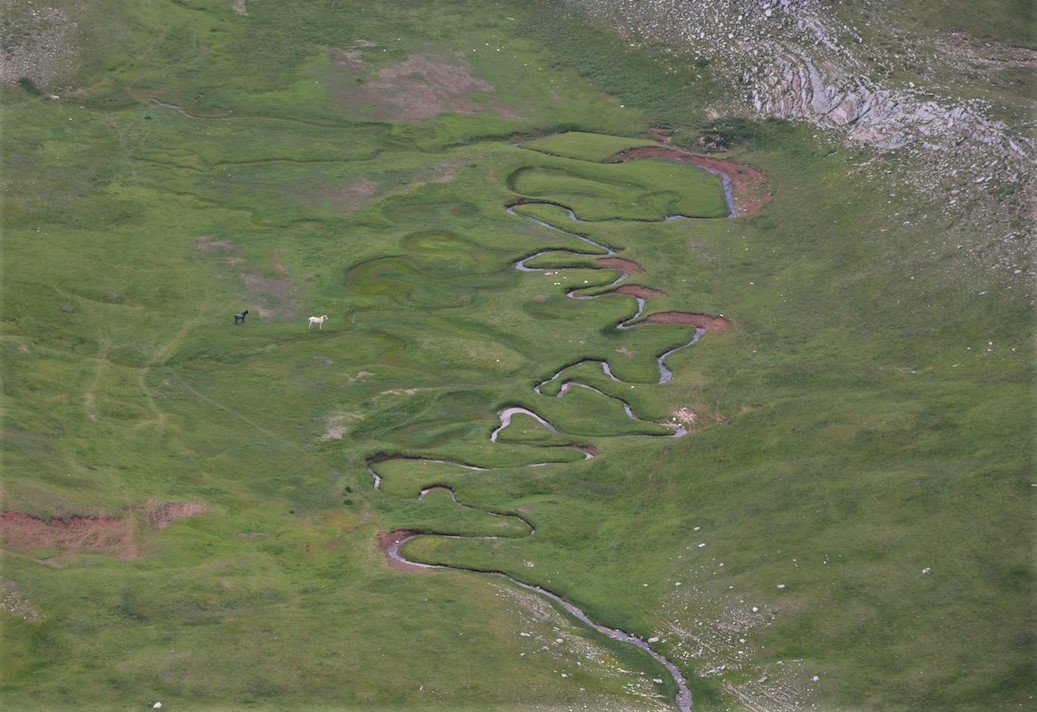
<point x="798" y="62"/>
<point x="793" y="87"/>
<point x="35" y="42"/>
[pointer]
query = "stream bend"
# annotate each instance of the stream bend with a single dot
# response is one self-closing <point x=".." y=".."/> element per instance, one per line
<point x="393" y="541"/>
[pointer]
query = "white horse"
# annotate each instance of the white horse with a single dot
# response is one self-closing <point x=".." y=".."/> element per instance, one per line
<point x="318" y="320"/>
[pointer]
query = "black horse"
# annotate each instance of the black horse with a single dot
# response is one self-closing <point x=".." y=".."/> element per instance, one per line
<point x="240" y="318"/>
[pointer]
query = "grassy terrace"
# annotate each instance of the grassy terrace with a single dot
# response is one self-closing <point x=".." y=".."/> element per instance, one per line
<point x="212" y="535"/>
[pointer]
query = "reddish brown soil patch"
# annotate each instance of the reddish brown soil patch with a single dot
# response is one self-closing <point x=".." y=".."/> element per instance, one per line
<point x="108" y="534"/>
<point x="750" y="190"/>
<point x="699" y="321"/>
<point x="624" y="266"/>
<point x="164" y="514"/>
<point x="389" y="539"/>
<point x="639" y="290"/>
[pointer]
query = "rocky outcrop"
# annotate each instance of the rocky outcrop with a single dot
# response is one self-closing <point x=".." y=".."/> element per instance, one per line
<point x="797" y="62"/>
<point x="792" y="86"/>
<point x="946" y="157"/>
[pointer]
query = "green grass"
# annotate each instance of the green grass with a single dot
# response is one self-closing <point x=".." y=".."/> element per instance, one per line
<point x="585" y="146"/>
<point x="864" y="416"/>
<point x="640" y="190"/>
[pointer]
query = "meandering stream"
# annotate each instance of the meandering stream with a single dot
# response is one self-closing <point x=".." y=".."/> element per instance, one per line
<point x="683" y="700"/>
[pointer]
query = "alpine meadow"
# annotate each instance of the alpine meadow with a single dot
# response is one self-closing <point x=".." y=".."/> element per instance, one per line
<point x="508" y="355"/>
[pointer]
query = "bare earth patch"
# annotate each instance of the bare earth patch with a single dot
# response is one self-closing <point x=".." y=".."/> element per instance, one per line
<point x="750" y="190"/>
<point x="110" y="535"/>
<point x="638" y="290"/>
<point x="107" y="534"/>
<point x="699" y="321"/>
<point x="686" y="417"/>
<point x="161" y="515"/>
<point x="618" y="263"/>
<point x="419" y="87"/>
<point x="386" y="540"/>
<point x="339" y="424"/>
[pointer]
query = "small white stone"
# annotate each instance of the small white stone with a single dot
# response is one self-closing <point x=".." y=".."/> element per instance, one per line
<point x="815" y="678"/>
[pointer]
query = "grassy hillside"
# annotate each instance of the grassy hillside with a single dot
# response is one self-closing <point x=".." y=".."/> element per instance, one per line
<point x="188" y="504"/>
